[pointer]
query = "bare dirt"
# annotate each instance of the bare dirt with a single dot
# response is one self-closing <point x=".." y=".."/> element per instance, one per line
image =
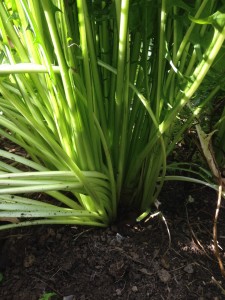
<point x="124" y="261"/>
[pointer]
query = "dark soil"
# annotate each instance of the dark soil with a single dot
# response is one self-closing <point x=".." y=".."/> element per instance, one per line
<point x="124" y="261"/>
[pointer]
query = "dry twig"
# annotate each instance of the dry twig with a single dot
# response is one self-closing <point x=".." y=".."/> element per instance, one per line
<point x="216" y="248"/>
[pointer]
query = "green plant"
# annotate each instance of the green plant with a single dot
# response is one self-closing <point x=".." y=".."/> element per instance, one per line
<point x="94" y="91"/>
<point x="47" y="296"/>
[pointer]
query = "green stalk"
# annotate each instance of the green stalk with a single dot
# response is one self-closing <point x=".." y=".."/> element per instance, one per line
<point x="98" y="98"/>
<point x="120" y="80"/>
<point x="160" y="64"/>
<point x="59" y="54"/>
<point x="84" y="35"/>
<point x="22" y="68"/>
<point x="64" y="221"/>
<point x="124" y="133"/>
<point x="193" y="180"/>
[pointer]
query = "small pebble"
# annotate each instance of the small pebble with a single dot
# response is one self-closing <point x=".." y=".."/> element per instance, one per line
<point x="189" y="269"/>
<point x="70" y="297"/>
<point x="164" y="275"/>
<point x="119" y="238"/>
<point x="134" y="289"/>
<point x="118" y="292"/>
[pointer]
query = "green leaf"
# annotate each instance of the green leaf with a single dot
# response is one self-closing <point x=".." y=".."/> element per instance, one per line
<point x="47" y="296"/>
<point x="217" y="20"/>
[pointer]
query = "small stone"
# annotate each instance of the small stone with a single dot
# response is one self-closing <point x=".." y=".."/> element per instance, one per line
<point x="164" y="275"/>
<point x="119" y="238"/>
<point x="98" y="267"/>
<point x="134" y="289"/>
<point x="134" y="255"/>
<point x="112" y="242"/>
<point x="189" y="269"/>
<point x="70" y="297"/>
<point x="144" y="270"/>
<point x="165" y="262"/>
<point x="118" y="292"/>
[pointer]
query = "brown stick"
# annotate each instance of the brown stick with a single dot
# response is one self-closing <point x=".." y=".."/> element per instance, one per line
<point x="216" y="248"/>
